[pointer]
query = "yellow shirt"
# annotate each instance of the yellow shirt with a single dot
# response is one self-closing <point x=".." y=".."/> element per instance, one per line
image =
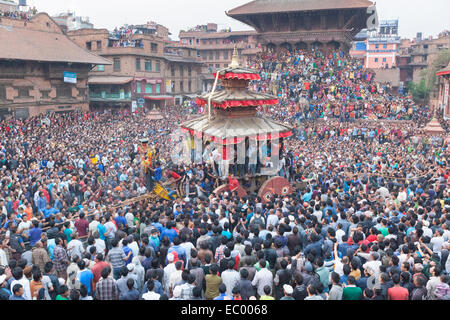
<point x="356" y="274"/>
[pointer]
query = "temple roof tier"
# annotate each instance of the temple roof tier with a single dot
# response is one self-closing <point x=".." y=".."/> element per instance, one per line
<point x="239" y="73"/>
<point x="237" y="98"/>
<point x="234" y="130"/>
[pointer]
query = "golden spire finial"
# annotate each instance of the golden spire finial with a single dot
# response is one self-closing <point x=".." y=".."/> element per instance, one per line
<point x="235" y="59"/>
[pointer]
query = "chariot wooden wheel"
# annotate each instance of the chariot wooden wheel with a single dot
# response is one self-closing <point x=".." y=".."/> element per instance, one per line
<point x="275" y="186"/>
<point x="224" y="187"/>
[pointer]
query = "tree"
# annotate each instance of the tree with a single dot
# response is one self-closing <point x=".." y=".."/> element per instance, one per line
<point x="419" y="91"/>
<point x="427" y="83"/>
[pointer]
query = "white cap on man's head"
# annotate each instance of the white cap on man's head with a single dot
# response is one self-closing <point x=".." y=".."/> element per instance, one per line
<point x="177" y="292"/>
<point x="288" y="289"/>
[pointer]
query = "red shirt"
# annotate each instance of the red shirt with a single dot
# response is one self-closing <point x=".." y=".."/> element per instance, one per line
<point x="398" y="293"/>
<point x="81" y="225"/>
<point x="233" y="184"/>
<point x="175" y="175"/>
<point x="46" y="195"/>
<point x="97" y="271"/>
<point x="366" y="242"/>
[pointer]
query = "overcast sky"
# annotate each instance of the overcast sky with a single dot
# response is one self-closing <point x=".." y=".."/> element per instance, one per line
<point x="429" y="17"/>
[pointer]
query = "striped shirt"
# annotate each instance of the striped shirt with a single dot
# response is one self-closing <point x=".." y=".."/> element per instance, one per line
<point x="106" y="289"/>
<point x="60" y="258"/>
<point x="116" y="256"/>
<point x="186" y="291"/>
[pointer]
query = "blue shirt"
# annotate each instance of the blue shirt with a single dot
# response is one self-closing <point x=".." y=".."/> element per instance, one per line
<point x="154" y="242"/>
<point x="176" y="213"/>
<point x="101" y="231"/>
<point x="48" y="212"/>
<point x="170" y="233"/>
<point x="222" y="297"/>
<point x="158" y="287"/>
<point x="158" y="226"/>
<point x="315" y="245"/>
<point x="127" y="250"/>
<point x="307" y="196"/>
<point x="132" y="294"/>
<point x="51" y="246"/>
<point x="157" y="174"/>
<point x="249" y="217"/>
<point x="181" y="252"/>
<point x="409" y="230"/>
<point x="41" y="204"/>
<point x="6" y="225"/>
<point x="86" y="278"/>
<point x="344" y="279"/>
<point x="58" y="204"/>
<point x="35" y="235"/>
<point x="147" y="263"/>
<point x="121" y="220"/>
<point x="333" y="210"/>
<point x="227" y="234"/>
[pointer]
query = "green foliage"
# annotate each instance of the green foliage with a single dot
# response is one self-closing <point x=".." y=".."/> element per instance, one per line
<point x="419" y="91"/>
<point x="427" y="83"/>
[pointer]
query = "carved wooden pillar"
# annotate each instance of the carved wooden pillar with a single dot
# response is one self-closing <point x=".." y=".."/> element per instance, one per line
<point x="323" y="21"/>
<point x="300" y="22"/>
<point x="308" y="21"/>
<point x="292" y="22"/>
<point x="340" y="19"/>
<point x="275" y="21"/>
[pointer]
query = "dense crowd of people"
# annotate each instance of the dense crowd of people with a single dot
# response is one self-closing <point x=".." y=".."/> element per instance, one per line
<point x="369" y="218"/>
<point x="18" y="15"/>
<point x="313" y="85"/>
<point x="123" y="37"/>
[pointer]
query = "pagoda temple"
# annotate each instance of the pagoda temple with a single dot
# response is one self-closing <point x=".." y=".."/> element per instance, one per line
<point x="249" y="145"/>
<point x="434" y="128"/>
<point x="305" y="24"/>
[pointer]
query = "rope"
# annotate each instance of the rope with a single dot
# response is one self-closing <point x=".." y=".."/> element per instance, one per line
<point x="120" y="205"/>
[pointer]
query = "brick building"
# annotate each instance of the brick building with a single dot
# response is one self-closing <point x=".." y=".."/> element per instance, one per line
<point x="419" y="54"/>
<point x="215" y="48"/>
<point x="10" y="6"/>
<point x="41" y="69"/>
<point x="137" y="76"/>
<point x="182" y="72"/>
<point x="403" y="60"/>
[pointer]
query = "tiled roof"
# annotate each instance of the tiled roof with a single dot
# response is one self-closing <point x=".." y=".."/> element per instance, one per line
<point x="22" y="43"/>
<point x="236" y="127"/>
<point x="109" y="80"/>
<point x="221" y="96"/>
<point x="268" y="6"/>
